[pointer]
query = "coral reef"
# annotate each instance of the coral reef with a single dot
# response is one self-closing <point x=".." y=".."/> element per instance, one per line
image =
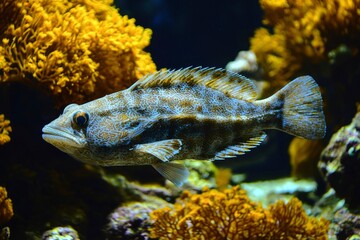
<point x="61" y="233"/>
<point x="5" y="233"/>
<point x="131" y="221"/>
<point x="245" y="61"/>
<point x="304" y="33"/>
<point x="345" y="225"/>
<point x="5" y="129"/>
<point x="6" y="209"/>
<point x="231" y="215"/>
<point x="73" y="50"/>
<point x="202" y="174"/>
<point x="223" y="177"/>
<point x="340" y="162"/>
<point x="246" y="64"/>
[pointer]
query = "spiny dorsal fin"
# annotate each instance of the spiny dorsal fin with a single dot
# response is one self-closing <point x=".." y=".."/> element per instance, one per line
<point x="230" y="83"/>
<point x="174" y="172"/>
<point x="163" y="150"/>
<point x="239" y="149"/>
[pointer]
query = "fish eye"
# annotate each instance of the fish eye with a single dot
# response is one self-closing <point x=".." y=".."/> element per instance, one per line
<point x="81" y="118"/>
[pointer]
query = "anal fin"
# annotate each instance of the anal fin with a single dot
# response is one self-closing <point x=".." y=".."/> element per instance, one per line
<point x="240" y="149"/>
<point x="174" y="172"/>
<point x="163" y="150"/>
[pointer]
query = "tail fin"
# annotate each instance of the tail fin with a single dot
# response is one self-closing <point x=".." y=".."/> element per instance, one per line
<point x="302" y="110"/>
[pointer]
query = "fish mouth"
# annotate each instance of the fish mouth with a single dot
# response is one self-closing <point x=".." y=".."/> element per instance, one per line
<point x="60" y="138"/>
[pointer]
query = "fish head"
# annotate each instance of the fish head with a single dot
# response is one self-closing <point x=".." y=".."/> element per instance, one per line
<point x="68" y="131"/>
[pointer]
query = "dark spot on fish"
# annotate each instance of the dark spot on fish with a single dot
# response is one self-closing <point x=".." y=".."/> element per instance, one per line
<point x="190" y="80"/>
<point x="219" y="74"/>
<point x="133" y="124"/>
<point x="233" y="78"/>
<point x="141" y="111"/>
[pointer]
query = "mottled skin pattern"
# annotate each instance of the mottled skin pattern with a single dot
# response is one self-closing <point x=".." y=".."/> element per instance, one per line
<point x="206" y="121"/>
<point x="205" y="110"/>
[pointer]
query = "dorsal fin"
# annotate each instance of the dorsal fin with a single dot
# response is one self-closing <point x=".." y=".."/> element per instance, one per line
<point x="230" y="83"/>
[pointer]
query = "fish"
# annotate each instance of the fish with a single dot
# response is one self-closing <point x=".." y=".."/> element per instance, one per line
<point x="190" y="113"/>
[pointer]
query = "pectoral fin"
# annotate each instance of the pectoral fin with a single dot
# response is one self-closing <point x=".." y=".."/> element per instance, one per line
<point x="174" y="172"/>
<point x="240" y="149"/>
<point x="163" y="150"/>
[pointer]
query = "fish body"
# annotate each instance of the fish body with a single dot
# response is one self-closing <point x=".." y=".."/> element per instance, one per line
<point x="193" y="113"/>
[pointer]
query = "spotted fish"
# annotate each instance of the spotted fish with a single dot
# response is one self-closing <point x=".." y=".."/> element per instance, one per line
<point x="192" y="113"/>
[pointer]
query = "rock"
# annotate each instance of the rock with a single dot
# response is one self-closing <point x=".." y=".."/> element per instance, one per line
<point x="340" y="162"/>
<point x="61" y="233"/>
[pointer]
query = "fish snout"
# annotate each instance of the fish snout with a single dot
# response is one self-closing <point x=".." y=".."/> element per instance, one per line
<point x="61" y="137"/>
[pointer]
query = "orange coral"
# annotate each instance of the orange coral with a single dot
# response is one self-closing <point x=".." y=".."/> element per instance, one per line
<point x="304" y="33"/>
<point x="5" y="129"/>
<point x="304" y="157"/>
<point x="229" y="214"/>
<point x="76" y="50"/>
<point x="223" y="177"/>
<point x="6" y="210"/>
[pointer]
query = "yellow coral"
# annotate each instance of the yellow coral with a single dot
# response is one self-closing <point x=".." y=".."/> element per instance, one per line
<point x="223" y="177"/>
<point x="304" y="157"/>
<point x="229" y="214"/>
<point x="5" y="129"/>
<point x="6" y="209"/>
<point x="304" y="33"/>
<point x="76" y="50"/>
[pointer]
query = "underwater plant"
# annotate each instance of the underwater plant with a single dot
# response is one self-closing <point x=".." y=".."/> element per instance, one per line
<point x="230" y="214"/>
<point x="5" y="129"/>
<point x="304" y="33"/>
<point x="72" y="50"/>
<point x="6" y="209"/>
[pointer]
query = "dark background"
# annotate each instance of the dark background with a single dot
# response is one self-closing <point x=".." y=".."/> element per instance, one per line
<point x="195" y="33"/>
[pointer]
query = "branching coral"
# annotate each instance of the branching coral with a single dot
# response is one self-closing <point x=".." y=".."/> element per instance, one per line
<point x="304" y="32"/>
<point x="5" y="129"/>
<point x="6" y="210"/>
<point x="231" y="215"/>
<point x="76" y="50"/>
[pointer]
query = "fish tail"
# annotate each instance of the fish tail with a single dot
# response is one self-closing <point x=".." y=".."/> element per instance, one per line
<point x="302" y="108"/>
